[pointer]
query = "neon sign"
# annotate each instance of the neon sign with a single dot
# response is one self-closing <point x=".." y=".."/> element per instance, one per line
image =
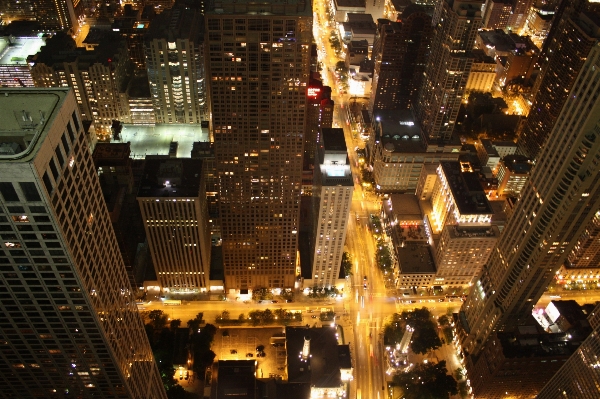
<point x="313" y="92"/>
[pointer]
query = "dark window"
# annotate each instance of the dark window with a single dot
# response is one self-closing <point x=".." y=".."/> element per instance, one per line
<point x="41" y="219"/>
<point x="37" y="209"/>
<point x="54" y="169"/>
<point x="65" y="144"/>
<point x="59" y="156"/>
<point x="16" y="209"/>
<point x="8" y="192"/>
<point x="47" y="182"/>
<point x="71" y="134"/>
<point x="75" y="120"/>
<point x="30" y="191"/>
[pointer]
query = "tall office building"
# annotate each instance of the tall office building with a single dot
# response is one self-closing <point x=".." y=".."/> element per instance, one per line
<point x="579" y="377"/>
<point x="560" y="198"/>
<point x="566" y="55"/>
<point x="175" y="63"/>
<point x="259" y="71"/>
<point x="70" y="326"/>
<point x="400" y="53"/>
<point x="319" y="115"/>
<point x="50" y="14"/>
<point x="172" y="198"/>
<point x="518" y="15"/>
<point x="455" y="27"/>
<point x="496" y="14"/>
<point x="332" y="194"/>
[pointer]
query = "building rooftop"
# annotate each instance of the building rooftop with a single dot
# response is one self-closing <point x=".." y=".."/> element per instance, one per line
<point x="171" y="177"/>
<point x="466" y="189"/>
<point x="404" y="207"/>
<point x="415" y="258"/>
<point x="234" y="378"/>
<point x="398" y="132"/>
<point x="515" y="345"/>
<point x="322" y="369"/>
<point x="356" y="17"/>
<point x="179" y="22"/>
<point x="351" y="3"/>
<point x="517" y="164"/>
<point x="26" y="113"/>
<point x="15" y="50"/>
<point x="333" y="139"/>
<point x="263" y="7"/>
<point x="111" y="154"/>
<point x="473" y="231"/>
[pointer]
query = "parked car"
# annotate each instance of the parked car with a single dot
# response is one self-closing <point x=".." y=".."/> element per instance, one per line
<point x="249" y="355"/>
<point x="233" y="351"/>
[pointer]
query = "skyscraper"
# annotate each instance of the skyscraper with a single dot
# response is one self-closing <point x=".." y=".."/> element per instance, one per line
<point x="175" y="63"/>
<point x="172" y="198"/>
<point x="69" y="321"/>
<point x="455" y="26"/>
<point x="319" y="114"/>
<point x="333" y="196"/>
<point x="258" y="77"/>
<point x="566" y="55"/>
<point x="560" y="198"/>
<point x="400" y="53"/>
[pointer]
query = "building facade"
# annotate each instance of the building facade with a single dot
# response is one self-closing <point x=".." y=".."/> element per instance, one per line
<point x="398" y="152"/>
<point x="172" y="198"/>
<point x="258" y="107"/>
<point x="455" y="27"/>
<point x="174" y="51"/>
<point x="94" y="75"/>
<point x="567" y="52"/>
<point x="70" y="325"/>
<point x="462" y="251"/>
<point x="400" y="53"/>
<point x="561" y="197"/>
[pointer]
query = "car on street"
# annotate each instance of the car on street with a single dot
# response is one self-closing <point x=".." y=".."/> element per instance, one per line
<point x="314" y="316"/>
<point x="233" y="351"/>
<point x="249" y="355"/>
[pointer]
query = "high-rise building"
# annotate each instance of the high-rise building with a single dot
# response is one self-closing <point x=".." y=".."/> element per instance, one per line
<point x="518" y="15"/>
<point x="579" y="377"/>
<point x="566" y="55"/>
<point x="332" y="194"/>
<point x="319" y="115"/>
<point x="400" y="53"/>
<point x="455" y="26"/>
<point x="172" y="198"/>
<point x="70" y="325"/>
<point x="555" y="206"/>
<point x="94" y="75"/>
<point x="50" y="14"/>
<point x="496" y="14"/>
<point x="175" y="63"/>
<point x="258" y="78"/>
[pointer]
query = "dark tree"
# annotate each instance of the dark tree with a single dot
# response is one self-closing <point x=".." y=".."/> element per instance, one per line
<point x="175" y="324"/>
<point x="427" y="381"/>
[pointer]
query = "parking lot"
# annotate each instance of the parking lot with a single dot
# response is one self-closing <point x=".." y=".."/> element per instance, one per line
<point x="238" y="343"/>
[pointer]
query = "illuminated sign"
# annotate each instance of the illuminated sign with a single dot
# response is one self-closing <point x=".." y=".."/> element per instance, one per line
<point x="313" y="92"/>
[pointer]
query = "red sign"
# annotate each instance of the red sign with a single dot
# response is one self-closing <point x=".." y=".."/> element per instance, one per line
<point x="313" y="92"/>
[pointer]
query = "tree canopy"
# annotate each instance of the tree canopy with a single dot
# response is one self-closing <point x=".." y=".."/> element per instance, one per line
<point x="427" y="381"/>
